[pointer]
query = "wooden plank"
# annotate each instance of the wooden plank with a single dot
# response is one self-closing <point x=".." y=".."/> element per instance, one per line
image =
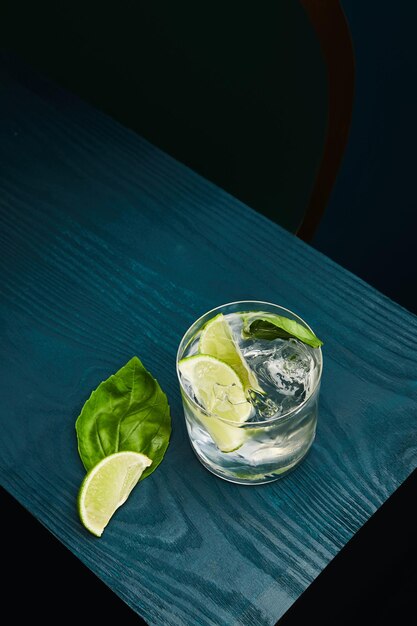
<point x="109" y="248"/>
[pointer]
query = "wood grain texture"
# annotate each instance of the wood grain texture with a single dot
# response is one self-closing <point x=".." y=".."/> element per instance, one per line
<point x="109" y="248"/>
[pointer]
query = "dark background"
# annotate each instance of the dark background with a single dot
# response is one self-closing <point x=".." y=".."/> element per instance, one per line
<point x="370" y="222"/>
<point x="369" y="227"/>
<point x="236" y="93"/>
<point x="239" y="92"/>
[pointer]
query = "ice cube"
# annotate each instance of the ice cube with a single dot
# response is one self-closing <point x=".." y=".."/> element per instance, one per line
<point x="298" y="360"/>
<point x="285" y="370"/>
<point x="289" y="369"/>
<point x="265" y="407"/>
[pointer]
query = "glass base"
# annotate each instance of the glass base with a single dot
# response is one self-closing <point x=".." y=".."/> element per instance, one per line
<point x="256" y="479"/>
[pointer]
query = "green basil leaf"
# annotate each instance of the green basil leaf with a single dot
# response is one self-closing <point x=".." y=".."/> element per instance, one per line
<point x="279" y="327"/>
<point x="128" y="411"/>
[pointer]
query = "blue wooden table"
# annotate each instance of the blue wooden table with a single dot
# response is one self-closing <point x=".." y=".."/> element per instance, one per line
<point x="110" y="248"/>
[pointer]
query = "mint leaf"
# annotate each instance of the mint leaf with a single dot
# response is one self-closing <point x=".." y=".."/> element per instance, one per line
<point x="279" y="327"/>
<point x="128" y="411"/>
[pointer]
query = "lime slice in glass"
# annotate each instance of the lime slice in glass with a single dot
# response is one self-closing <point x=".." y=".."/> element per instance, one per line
<point x="217" y="340"/>
<point x="107" y="486"/>
<point x="219" y="390"/>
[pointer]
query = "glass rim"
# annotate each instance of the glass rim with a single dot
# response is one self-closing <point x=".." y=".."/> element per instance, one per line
<point x="254" y="424"/>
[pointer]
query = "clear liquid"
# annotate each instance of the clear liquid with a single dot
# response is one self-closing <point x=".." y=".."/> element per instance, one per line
<point x="281" y="427"/>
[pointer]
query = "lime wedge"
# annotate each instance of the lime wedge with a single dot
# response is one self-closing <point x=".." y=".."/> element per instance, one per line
<point x="107" y="486"/>
<point x="217" y="387"/>
<point x="217" y="340"/>
<point x="220" y="391"/>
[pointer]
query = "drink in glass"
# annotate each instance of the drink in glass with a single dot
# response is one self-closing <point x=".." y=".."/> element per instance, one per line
<point x="249" y="375"/>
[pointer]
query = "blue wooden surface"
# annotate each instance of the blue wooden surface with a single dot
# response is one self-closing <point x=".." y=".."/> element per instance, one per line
<point x="109" y="248"/>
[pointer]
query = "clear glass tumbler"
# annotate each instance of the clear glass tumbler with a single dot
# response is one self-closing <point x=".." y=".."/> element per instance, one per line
<point x="281" y="427"/>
